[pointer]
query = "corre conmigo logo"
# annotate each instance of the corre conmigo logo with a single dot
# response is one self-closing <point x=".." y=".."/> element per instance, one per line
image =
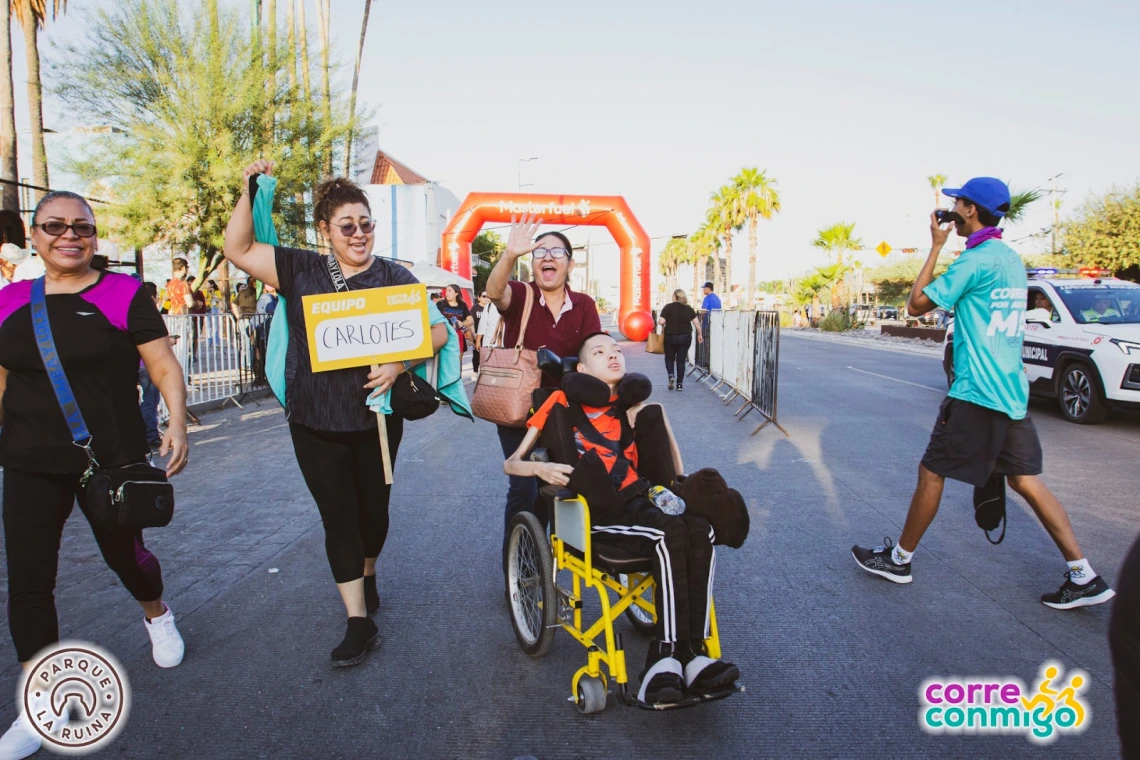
<point x="76" y="697"/>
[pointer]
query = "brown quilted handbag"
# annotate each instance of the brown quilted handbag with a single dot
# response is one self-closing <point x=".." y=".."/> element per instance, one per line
<point x="507" y="377"/>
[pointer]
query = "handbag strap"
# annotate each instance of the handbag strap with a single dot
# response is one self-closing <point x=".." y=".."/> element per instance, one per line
<point x="500" y="329"/>
<point x="80" y="436"/>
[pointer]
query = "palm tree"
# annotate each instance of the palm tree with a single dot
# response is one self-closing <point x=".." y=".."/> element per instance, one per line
<point x="10" y="194"/>
<point x="704" y="243"/>
<point x="324" y="21"/>
<point x="32" y="14"/>
<point x="808" y="289"/>
<point x="352" y="100"/>
<point x="1019" y="201"/>
<point x="833" y="276"/>
<point x="759" y="199"/>
<point x="670" y="259"/>
<point x="937" y="182"/>
<point x="836" y="240"/>
<point x="726" y="216"/>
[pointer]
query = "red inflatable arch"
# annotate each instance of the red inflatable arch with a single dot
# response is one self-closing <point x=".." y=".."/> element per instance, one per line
<point x="609" y="211"/>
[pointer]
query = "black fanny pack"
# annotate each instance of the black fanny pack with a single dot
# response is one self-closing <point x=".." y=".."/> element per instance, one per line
<point x="413" y="398"/>
<point x="133" y="496"/>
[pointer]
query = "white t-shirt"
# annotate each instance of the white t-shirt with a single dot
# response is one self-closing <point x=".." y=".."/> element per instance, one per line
<point x="488" y="323"/>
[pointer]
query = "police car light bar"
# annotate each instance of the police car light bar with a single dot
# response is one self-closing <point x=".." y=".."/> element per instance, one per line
<point x="1091" y="272"/>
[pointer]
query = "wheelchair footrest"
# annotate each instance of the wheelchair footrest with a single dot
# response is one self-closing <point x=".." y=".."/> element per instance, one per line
<point x="630" y="700"/>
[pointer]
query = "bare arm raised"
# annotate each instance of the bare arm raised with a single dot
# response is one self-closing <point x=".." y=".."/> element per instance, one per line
<point x="520" y="243"/>
<point x="253" y="258"/>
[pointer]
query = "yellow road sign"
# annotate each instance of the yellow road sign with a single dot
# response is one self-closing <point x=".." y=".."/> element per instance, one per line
<point x="883" y="248"/>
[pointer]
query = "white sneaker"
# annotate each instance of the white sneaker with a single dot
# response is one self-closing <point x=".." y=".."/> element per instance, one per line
<point x="19" y="741"/>
<point x="166" y="643"/>
<point x="22" y="740"/>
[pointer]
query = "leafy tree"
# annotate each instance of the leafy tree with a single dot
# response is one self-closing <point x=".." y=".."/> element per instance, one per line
<point x="837" y="240"/>
<point x="725" y="215"/>
<point x="894" y="281"/>
<point x="32" y="15"/>
<point x="190" y="98"/>
<point x="488" y="247"/>
<point x="675" y="253"/>
<point x="758" y="199"/>
<point x="1105" y="231"/>
<point x="704" y="243"/>
<point x="937" y="182"/>
<point x="1018" y="203"/>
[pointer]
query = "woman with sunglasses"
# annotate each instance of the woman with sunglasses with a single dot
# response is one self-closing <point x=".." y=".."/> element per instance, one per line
<point x="559" y="319"/>
<point x="334" y="433"/>
<point x="102" y="323"/>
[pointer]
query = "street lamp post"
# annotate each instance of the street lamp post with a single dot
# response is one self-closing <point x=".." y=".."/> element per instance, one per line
<point x="1053" y="202"/>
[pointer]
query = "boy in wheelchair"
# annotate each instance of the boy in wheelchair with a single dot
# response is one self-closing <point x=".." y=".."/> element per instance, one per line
<point x="607" y="429"/>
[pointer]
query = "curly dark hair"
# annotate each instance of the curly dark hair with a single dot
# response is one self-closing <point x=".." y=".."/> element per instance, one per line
<point x="334" y="193"/>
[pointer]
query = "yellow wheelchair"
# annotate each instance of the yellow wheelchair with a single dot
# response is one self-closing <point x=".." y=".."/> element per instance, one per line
<point x="539" y="606"/>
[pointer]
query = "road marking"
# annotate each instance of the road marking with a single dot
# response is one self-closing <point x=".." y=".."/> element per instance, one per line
<point x="895" y="379"/>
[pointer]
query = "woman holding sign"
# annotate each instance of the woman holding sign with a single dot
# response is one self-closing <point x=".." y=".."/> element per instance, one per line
<point x="334" y="432"/>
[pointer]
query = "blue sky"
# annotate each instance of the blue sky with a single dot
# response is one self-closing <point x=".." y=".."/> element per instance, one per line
<point x="848" y="105"/>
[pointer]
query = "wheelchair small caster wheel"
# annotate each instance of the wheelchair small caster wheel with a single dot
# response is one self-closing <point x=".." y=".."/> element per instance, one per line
<point x="591" y="695"/>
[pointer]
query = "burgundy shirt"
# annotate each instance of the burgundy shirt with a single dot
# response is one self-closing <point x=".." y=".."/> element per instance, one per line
<point x="563" y="338"/>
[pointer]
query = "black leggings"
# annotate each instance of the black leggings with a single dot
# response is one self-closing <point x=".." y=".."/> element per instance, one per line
<point x="35" y="508"/>
<point x="676" y="351"/>
<point x="345" y="474"/>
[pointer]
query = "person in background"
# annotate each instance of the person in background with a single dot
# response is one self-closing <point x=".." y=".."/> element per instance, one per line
<point x="1124" y="643"/>
<point x="178" y="289"/>
<point x="457" y="312"/>
<point x="488" y="324"/>
<point x="246" y="301"/>
<point x="267" y="304"/>
<point x="679" y="321"/>
<point x="477" y="314"/>
<point x="711" y="301"/>
<point x="11" y="256"/>
<point x="148" y="403"/>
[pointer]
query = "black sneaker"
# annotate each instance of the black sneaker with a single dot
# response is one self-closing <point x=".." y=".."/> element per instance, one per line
<point x="663" y="683"/>
<point x="1072" y="595"/>
<point x="878" y="562"/>
<point x="361" y="636"/>
<point x="680" y="386"/>
<point x="371" y="595"/>
<point x="671" y="381"/>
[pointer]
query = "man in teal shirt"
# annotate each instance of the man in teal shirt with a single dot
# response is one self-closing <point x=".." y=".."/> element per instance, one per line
<point x="982" y="434"/>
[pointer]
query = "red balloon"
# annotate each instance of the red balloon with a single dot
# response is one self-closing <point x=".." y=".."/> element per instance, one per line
<point x="637" y="325"/>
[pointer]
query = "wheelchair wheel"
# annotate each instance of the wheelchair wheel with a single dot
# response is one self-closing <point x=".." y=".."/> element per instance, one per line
<point x="591" y="695"/>
<point x="530" y="585"/>
<point x="641" y="620"/>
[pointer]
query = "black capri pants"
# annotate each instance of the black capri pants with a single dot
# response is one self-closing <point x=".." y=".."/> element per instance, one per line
<point x="36" y="506"/>
<point x="345" y="475"/>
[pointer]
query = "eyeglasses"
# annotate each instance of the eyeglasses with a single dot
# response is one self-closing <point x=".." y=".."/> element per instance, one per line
<point x="483" y="295"/>
<point x="552" y="253"/>
<point x="348" y="230"/>
<point x="55" y="229"/>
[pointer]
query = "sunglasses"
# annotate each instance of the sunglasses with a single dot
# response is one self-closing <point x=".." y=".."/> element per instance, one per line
<point x="348" y="230"/>
<point x="55" y="229"/>
<point x="553" y="253"/>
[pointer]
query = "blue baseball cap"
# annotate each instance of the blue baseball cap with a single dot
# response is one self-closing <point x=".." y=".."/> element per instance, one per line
<point x="988" y="192"/>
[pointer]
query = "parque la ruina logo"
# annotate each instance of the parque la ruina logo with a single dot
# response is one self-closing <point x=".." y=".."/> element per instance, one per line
<point x="1003" y="705"/>
<point x="76" y="697"/>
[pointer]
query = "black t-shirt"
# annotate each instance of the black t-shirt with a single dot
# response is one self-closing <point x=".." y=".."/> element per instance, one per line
<point x="458" y="312"/>
<point x="678" y="318"/>
<point x="96" y="332"/>
<point x="334" y="400"/>
<point x="477" y="314"/>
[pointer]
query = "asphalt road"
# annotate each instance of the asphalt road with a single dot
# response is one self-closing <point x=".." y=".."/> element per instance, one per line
<point x="832" y="658"/>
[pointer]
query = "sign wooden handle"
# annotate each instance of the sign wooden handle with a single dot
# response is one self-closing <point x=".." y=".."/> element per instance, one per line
<point x="385" y="452"/>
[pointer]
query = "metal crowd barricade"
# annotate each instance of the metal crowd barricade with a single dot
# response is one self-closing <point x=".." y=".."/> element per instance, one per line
<point x="222" y="357"/>
<point x="766" y="367"/>
<point x="742" y="351"/>
<point x="699" y="351"/>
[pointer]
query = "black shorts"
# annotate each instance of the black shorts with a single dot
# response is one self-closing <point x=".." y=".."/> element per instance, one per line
<point x="970" y="443"/>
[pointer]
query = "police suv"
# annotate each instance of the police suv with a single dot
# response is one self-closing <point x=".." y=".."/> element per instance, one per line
<point x="1082" y="341"/>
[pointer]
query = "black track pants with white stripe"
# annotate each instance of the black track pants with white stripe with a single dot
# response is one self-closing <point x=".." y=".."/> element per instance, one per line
<point x="684" y="561"/>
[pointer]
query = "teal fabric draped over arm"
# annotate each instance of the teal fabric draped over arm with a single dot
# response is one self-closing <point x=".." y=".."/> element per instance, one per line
<point x="278" y="342"/>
